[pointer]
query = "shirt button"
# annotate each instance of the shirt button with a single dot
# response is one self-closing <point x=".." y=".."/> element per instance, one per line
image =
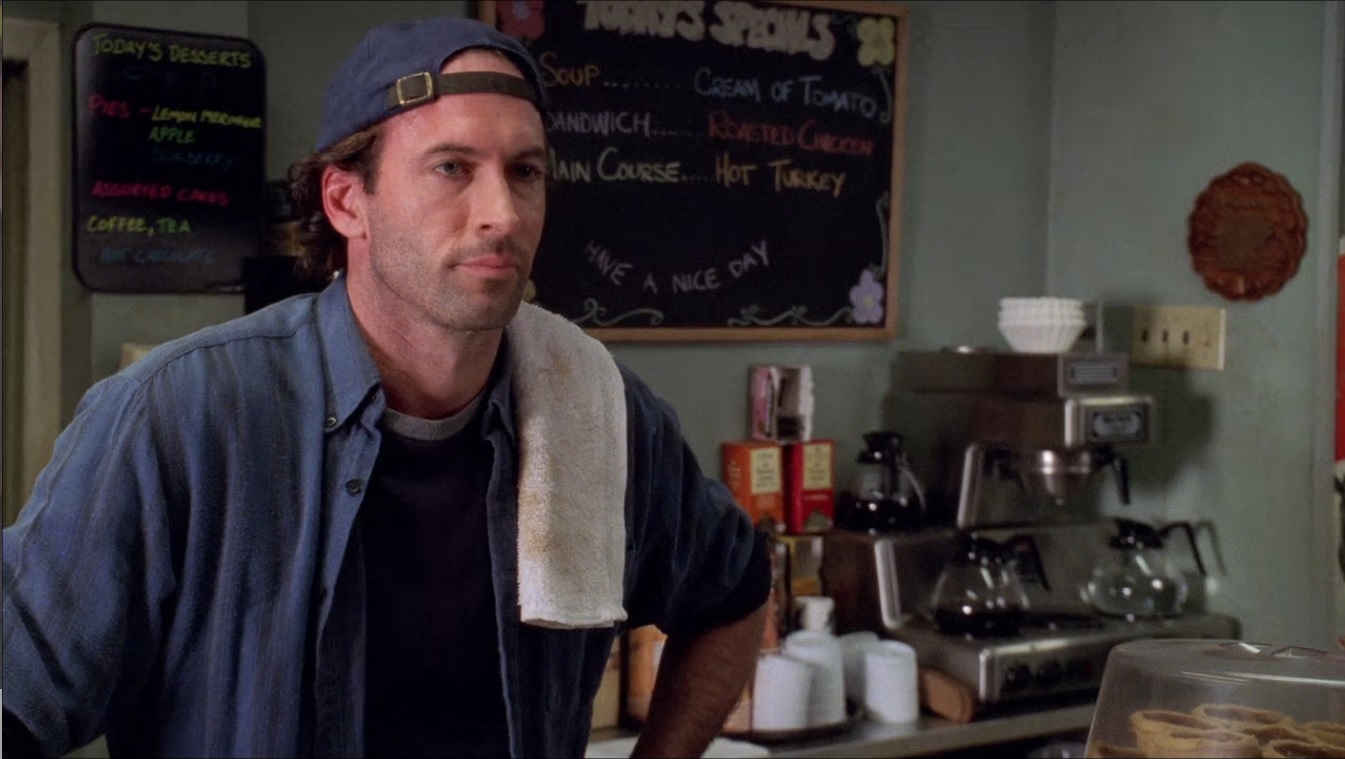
<point x="330" y="422"/>
<point x="354" y="487"/>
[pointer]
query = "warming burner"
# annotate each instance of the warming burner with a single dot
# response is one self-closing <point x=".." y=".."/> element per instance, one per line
<point x="1052" y="655"/>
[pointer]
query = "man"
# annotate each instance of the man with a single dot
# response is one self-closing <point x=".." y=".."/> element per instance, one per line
<point x="311" y="530"/>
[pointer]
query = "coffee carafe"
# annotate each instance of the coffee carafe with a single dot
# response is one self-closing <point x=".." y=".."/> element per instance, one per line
<point x="885" y="495"/>
<point x="979" y="592"/>
<point x="1137" y="578"/>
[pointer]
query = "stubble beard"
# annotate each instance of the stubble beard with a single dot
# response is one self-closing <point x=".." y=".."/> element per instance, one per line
<point x="436" y="296"/>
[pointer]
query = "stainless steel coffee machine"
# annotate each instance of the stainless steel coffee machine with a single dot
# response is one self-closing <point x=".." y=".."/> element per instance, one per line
<point x="1038" y="428"/>
<point x="1031" y="440"/>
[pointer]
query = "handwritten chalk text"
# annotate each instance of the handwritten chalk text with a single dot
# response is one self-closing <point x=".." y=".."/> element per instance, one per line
<point x="790" y="177"/>
<point x="155" y="256"/>
<point x="726" y="87"/>
<point x="608" y="265"/>
<point x="786" y="30"/>
<point x="808" y="136"/>
<point x="137" y="225"/>
<point x="570" y="76"/>
<point x="736" y="24"/>
<point x="604" y="123"/>
<point x="150" y="50"/>
<point x="649" y="19"/>
<point x="221" y="161"/>
<point x="117" y="109"/>
<point x="612" y="169"/>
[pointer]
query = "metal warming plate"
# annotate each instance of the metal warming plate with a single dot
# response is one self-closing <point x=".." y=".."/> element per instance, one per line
<point x="1052" y="655"/>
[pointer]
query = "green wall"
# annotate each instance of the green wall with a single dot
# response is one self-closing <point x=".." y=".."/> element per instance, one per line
<point x="1151" y="101"/>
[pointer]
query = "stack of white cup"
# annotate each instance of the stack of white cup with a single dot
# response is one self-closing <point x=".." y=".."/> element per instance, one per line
<point x="780" y="693"/>
<point x="803" y="685"/>
<point x="883" y="676"/>
<point x="807" y="683"/>
<point x="891" y="682"/>
<point x="822" y="652"/>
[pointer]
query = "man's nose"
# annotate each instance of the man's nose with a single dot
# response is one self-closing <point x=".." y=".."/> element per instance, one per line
<point x="494" y="204"/>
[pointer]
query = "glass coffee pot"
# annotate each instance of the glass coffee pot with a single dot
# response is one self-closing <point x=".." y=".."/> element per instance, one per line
<point x="885" y="495"/>
<point x="1137" y="578"/>
<point x="979" y="592"/>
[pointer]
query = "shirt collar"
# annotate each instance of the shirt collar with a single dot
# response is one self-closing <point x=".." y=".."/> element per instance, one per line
<point x="350" y="369"/>
<point x="500" y="393"/>
<point x="352" y="373"/>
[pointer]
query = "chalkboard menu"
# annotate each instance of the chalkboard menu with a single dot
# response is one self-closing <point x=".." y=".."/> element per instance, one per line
<point x="169" y="159"/>
<point x="720" y="170"/>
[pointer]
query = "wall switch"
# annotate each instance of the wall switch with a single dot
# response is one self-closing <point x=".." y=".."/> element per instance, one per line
<point x="1178" y="337"/>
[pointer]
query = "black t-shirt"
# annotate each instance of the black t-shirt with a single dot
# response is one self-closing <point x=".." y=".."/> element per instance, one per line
<point x="433" y="668"/>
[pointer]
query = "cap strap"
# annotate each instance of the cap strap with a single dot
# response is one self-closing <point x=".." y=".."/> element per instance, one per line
<point x="415" y="89"/>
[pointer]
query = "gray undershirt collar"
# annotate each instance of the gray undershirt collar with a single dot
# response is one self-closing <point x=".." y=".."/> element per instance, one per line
<point x="430" y="430"/>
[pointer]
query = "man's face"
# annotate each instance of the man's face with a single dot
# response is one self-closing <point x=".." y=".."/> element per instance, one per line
<point x="459" y="198"/>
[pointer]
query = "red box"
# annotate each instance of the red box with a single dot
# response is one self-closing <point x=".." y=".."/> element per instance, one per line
<point x="752" y="472"/>
<point x="810" y="486"/>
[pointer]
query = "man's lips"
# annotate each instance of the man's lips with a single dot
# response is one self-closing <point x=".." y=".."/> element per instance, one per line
<point x="491" y="263"/>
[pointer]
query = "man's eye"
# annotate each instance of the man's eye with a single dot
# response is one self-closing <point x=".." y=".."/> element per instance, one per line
<point x="529" y="171"/>
<point x="450" y="168"/>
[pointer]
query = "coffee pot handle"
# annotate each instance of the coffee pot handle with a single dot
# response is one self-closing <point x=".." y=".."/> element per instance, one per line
<point x="1031" y="544"/>
<point x="1190" y="538"/>
<point x="1122" y="471"/>
<point x="904" y="470"/>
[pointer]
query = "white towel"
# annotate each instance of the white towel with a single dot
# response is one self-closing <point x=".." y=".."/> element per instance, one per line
<point x="570" y="412"/>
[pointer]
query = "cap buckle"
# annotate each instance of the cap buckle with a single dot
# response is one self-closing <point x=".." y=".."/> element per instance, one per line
<point x="421" y="91"/>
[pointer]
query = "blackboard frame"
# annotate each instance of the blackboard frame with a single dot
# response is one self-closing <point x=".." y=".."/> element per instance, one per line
<point x="230" y="233"/>
<point x="487" y="11"/>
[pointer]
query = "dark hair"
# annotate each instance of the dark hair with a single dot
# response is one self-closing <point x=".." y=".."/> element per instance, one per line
<point x="323" y="248"/>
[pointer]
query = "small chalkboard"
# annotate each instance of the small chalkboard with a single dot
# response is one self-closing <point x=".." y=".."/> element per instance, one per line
<point x="720" y="170"/>
<point x="169" y="159"/>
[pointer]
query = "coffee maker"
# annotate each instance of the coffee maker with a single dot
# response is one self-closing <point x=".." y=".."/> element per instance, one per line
<point x="1038" y="429"/>
<point x="1030" y="440"/>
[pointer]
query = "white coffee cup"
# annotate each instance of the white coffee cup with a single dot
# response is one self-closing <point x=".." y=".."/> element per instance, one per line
<point x="852" y="654"/>
<point x="826" y="698"/>
<point x="815" y="613"/>
<point x="891" y="682"/>
<point x="781" y="692"/>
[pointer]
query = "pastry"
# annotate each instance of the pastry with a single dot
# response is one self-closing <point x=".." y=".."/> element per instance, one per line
<point x="1287" y="730"/>
<point x="1310" y="749"/>
<point x="1148" y="724"/>
<point x="1327" y="732"/>
<point x="1181" y="742"/>
<point x="1156" y="720"/>
<point x="1240" y="715"/>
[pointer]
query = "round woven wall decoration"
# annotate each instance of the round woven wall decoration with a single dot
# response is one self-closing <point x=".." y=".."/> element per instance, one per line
<point x="1247" y="233"/>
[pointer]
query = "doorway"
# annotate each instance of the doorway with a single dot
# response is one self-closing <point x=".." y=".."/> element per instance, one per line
<point x="35" y="301"/>
<point x="13" y="169"/>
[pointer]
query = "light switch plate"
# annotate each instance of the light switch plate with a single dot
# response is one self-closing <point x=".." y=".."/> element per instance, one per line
<point x="1178" y="337"/>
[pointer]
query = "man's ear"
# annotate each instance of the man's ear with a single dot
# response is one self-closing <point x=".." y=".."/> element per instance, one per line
<point x="343" y="200"/>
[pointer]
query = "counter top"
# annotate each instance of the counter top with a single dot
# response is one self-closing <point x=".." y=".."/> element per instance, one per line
<point x="931" y="735"/>
<point x="934" y="735"/>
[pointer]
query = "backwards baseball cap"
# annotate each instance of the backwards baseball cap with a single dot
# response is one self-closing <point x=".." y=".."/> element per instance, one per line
<point x="395" y="68"/>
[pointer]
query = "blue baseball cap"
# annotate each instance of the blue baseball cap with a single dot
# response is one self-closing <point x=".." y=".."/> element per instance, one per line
<point x="395" y="68"/>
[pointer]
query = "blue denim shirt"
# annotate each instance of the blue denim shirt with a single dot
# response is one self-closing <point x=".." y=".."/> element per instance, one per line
<point x="184" y="578"/>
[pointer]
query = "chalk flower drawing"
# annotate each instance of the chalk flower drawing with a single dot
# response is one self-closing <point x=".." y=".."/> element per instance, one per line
<point x="522" y="19"/>
<point x="876" y="41"/>
<point x="867" y="299"/>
